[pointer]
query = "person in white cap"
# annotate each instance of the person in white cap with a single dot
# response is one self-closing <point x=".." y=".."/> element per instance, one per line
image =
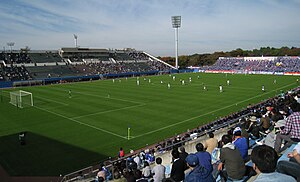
<point x="240" y="142"/>
<point x="291" y="167"/>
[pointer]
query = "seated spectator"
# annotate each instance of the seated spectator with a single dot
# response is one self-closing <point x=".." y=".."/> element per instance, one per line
<point x="198" y="172"/>
<point x="107" y="173"/>
<point x="146" y="172"/>
<point x="99" y="179"/>
<point x="138" y="161"/>
<point x="178" y="167"/>
<point x="204" y="157"/>
<point x="240" y="142"/>
<point x="130" y="164"/>
<point x="232" y="160"/>
<point x="100" y="175"/>
<point x="244" y="131"/>
<point x="211" y="143"/>
<point x="158" y="171"/>
<point x="264" y="160"/>
<point x="129" y="175"/>
<point x="183" y="154"/>
<point x="291" y="131"/>
<point x="276" y="115"/>
<point x="291" y="167"/>
<point x="264" y="123"/>
<point x="138" y="176"/>
<point x="253" y="128"/>
<point x="149" y="156"/>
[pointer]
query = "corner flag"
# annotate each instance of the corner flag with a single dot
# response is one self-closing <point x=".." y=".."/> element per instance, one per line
<point x="128" y="133"/>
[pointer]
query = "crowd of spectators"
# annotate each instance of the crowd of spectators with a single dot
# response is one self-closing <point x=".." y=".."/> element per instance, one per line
<point x="15" y="58"/>
<point x="228" y="159"/>
<point x="140" y="63"/>
<point x="136" y="55"/>
<point x="14" y="73"/>
<point x="279" y="64"/>
<point x="119" y="67"/>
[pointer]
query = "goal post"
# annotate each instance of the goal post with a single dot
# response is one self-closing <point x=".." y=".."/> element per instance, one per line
<point x="21" y="98"/>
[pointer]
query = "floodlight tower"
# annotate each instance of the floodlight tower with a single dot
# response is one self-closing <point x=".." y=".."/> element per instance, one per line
<point x="176" y="23"/>
<point x="10" y="44"/>
<point x="75" y="38"/>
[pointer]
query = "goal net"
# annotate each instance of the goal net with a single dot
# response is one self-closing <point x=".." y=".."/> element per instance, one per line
<point x="21" y="98"/>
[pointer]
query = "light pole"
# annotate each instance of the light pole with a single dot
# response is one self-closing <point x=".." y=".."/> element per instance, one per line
<point x="176" y="23"/>
<point x="10" y="44"/>
<point x="75" y="37"/>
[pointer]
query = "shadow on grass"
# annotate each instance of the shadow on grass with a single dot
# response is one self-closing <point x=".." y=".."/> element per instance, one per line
<point x="42" y="156"/>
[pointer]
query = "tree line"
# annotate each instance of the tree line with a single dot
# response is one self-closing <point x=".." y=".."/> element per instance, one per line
<point x="209" y="59"/>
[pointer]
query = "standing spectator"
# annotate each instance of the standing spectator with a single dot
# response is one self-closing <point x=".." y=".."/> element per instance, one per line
<point x="291" y="131"/>
<point x="204" y="157"/>
<point x="121" y="153"/>
<point x="198" y="173"/>
<point x="232" y="160"/>
<point x="178" y="167"/>
<point x="264" y="160"/>
<point x="240" y="142"/>
<point x="158" y="171"/>
<point x="291" y="167"/>
<point x="183" y="154"/>
<point x="211" y="143"/>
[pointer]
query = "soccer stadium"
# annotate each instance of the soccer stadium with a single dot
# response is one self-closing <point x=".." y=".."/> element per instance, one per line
<point x="79" y="106"/>
<point x="77" y="113"/>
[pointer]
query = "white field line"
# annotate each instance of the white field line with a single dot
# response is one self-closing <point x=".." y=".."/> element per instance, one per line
<point x="184" y="121"/>
<point x="52" y="100"/>
<point x="108" y="111"/>
<point x="99" y="96"/>
<point x="42" y="98"/>
<point x="81" y="123"/>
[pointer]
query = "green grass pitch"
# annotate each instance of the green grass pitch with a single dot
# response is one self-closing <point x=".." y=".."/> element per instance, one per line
<point x="66" y="134"/>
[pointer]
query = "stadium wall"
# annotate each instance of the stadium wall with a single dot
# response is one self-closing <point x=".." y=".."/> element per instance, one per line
<point x="6" y="84"/>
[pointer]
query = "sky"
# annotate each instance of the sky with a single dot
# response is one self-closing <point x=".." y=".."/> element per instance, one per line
<point x="207" y="25"/>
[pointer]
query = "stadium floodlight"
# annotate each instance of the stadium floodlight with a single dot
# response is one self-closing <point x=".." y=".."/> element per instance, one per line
<point x="176" y="23"/>
<point x="75" y="38"/>
<point x="10" y="44"/>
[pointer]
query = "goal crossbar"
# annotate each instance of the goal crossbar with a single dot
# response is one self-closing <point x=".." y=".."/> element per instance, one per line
<point x="18" y="98"/>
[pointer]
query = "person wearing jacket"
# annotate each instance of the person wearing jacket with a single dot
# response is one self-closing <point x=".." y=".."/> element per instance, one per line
<point x="198" y="172"/>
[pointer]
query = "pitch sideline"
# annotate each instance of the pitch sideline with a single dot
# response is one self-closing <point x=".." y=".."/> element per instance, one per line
<point x="180" y="122"/>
